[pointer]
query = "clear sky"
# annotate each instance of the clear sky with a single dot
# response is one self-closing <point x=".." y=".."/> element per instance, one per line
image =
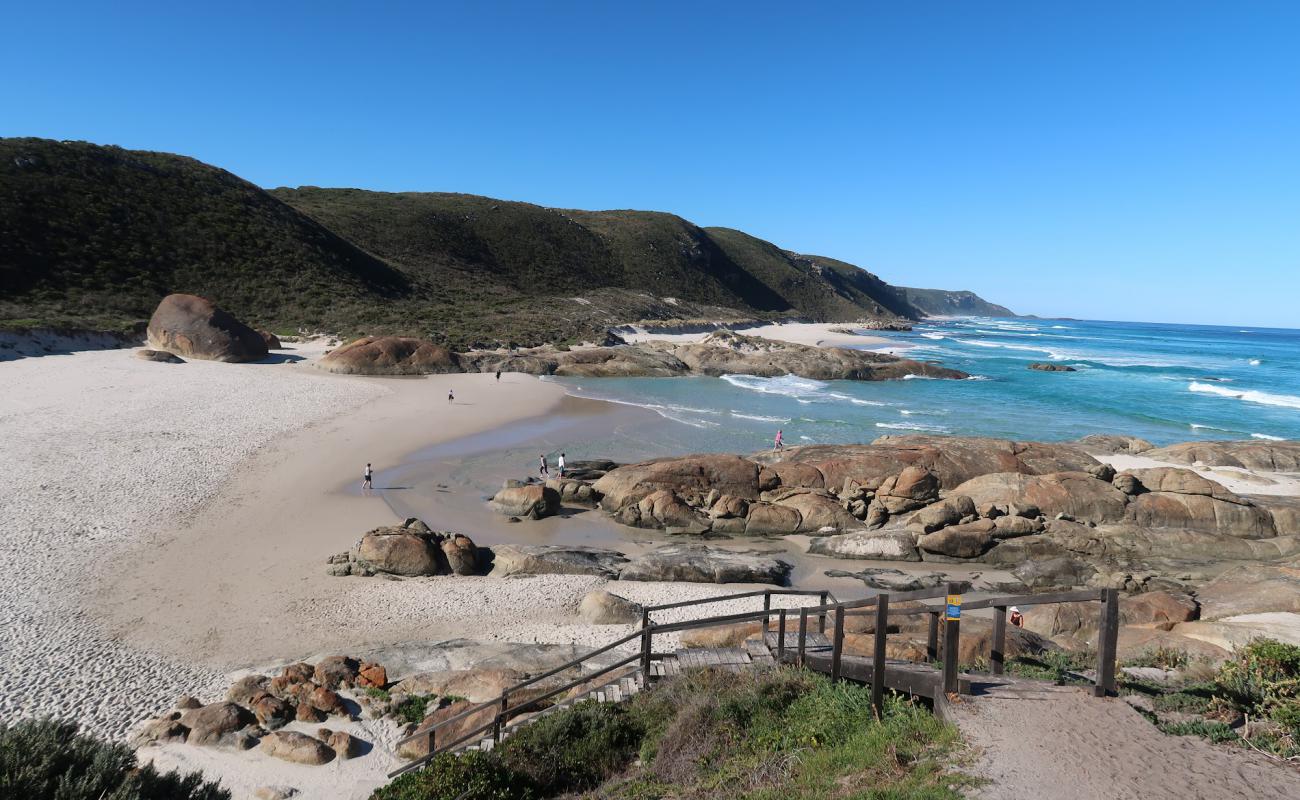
<point x="1134" y="160"/>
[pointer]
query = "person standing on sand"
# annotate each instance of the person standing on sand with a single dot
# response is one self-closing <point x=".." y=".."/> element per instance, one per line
<point x="498" y="376"/>
<point x="779" y="444"/>
<point x="560" y="464"/>
<point x="543" y="471"/>
<point x="367" y="478"/>
<point x="451" y="397"/>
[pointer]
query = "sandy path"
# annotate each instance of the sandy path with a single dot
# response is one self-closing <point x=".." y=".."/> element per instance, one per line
<point x="1035" y="740"/>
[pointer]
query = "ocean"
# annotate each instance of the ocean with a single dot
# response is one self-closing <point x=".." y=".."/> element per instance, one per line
<point x="1166" y="383"/>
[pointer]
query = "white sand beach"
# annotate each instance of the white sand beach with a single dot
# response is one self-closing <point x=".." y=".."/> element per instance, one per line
<point x="816" y="334"/>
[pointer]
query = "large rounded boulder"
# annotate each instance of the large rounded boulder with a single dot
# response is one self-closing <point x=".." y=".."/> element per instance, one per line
<point x="390" y="355"/>
<point x="533" y="500"/>
<point x="194" y="327"/>
<point x="400" y="552"/>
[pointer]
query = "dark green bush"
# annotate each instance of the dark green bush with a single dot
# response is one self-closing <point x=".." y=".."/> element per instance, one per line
<point x="50" y="760"/>
<point x="1262" y="675"/>
<point x="576" y="749"/>
<point x="470" y="776"/>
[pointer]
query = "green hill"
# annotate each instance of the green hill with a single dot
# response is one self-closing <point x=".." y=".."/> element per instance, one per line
<point x="92" y="237"/>
<point x="944" y="303"/>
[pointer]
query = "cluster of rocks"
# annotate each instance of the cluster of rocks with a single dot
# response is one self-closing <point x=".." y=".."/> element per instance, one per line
<point x="535" y="499"/>
<point x="412" y="549"/>
<point x="721" y="353"/>
<point x="195" y="327"/>
<point x="258" y="708"/>
<point x="408" y="550"/>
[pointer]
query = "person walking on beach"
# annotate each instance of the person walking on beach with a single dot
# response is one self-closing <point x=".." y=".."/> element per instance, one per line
<point x="367" y="478"/>
<point x="451" y="397"/>
<point x="779" y="443"/>
<point x="498" y="376"/>
<point x="560" y="464"/>
<point x="542" y="470"/>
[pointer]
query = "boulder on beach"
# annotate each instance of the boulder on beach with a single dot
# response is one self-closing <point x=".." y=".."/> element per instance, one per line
<point x="959" y="541"/>
<point x="271" y="341"/>
<point x="398" y="551"/>
<point x="390" y="355"/>
<point x="1252" y="589"/>
<point x="298" y="748"/>
<point x="703" y="564"/>
<point x="195" y="327"/>
<point x="476" y="685"/>
<point x="550" y="559"/>
<point x="1172" y="497"/>
<point x="216" y="724"/>
<point x="461" y="554"/>
<point x="530" y="501"/>
<point x="600" y="607"/>
<point x="1112" y="443"/>
<point x="686" y="476"/>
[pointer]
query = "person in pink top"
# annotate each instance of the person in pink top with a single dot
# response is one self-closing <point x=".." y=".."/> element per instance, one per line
<point x="779" y="444"/>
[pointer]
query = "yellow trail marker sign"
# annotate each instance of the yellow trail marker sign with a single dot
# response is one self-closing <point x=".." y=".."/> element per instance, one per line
<point x="954" y="607"/>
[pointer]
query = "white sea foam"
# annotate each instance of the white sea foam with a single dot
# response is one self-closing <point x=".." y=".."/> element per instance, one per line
<point x="910" y="377"/>
<point x="758" y="417"/>
<point x="1267" y="438"/>
<point x="1248" y="395"/>
<point x="787" y="385"/>
<point x="912" y="426"/>
<point x="1255" y="362"/>
<point x="934" y="336"/>
<point x="806" y="438"/>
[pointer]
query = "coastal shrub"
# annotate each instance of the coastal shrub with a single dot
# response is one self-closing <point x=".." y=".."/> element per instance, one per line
<point x="1207" y="729"/>
<point x="468" y="776"/>
<point x="574" y="750"/>
<point x="414" y="708"/>
<point x="1262" y="675"/>
<point x="50" y="760"/>
<point x="782" y="734"/>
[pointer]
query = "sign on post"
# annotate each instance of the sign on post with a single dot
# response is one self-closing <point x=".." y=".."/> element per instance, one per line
<point x="954" y="607"/>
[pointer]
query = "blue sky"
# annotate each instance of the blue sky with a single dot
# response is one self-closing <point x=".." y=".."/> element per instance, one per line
<point x="1132" y="161"/>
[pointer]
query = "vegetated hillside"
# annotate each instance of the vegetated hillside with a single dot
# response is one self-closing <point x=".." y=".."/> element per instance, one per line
<point x="821" y="288"/>
<point x="944" y="303"/>
<point x="94" y="236"/>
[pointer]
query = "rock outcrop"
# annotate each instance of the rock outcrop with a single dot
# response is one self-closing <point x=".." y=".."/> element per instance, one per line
<point x="704" y="564"/>
<point x="551" y="559"/>
<point x="194" y="327"/>
<point x="390" y="355"/>
<point x="874" y="545"/>
<point x="1045" y="367"/>
<point x="408" y="550"/>
<point x="1255" y="455"/>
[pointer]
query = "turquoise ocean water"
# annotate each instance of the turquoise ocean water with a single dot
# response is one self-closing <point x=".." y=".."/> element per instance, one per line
<point x="1165" y="383"/>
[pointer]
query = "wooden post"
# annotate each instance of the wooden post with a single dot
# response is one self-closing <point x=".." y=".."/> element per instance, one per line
<point x="838" y="650"/>
<point x="1107" y="637"/>
<point x="951" y="644"/>
<point x="499" y="728"/>
<point x="803" y="634"/>
<point x="932" y="641"/>
<point x="767" y="606"/>
<point x="780" y="636"/>
<point x="821" y="616"/>
<point x="645" y="619"/>
<point x="878" y="657"/>
<point x="428" y="739"/>
<point x="998" y="649"/>
<point x="646" y="634"/>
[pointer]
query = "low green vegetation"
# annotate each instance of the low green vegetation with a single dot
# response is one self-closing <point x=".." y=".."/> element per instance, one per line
<point x="50" y="760"/>
<point x="779" y="735"/>
<point x="1253" y="698"/>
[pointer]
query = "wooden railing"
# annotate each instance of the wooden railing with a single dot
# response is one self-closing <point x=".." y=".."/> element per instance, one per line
<point x="949" y="681"/>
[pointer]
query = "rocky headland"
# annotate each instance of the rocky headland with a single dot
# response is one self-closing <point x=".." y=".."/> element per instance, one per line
<point x="722" y="352"/>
